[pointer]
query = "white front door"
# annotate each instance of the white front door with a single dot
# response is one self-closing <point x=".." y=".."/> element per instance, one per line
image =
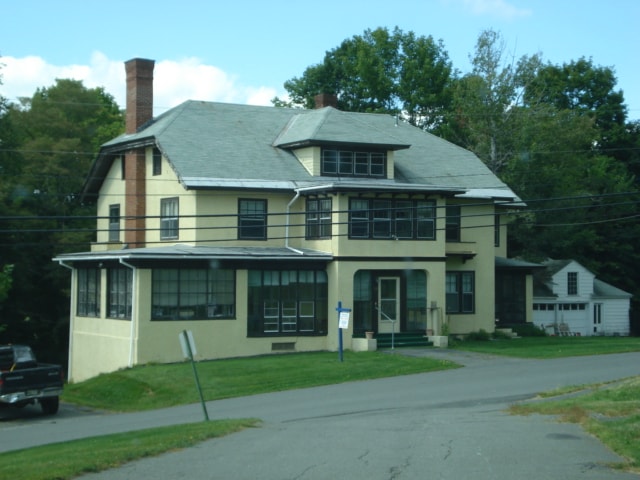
<point x="388" y="304"/>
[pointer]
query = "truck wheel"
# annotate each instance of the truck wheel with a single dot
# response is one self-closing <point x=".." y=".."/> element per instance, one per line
<point x="50" y="405"/>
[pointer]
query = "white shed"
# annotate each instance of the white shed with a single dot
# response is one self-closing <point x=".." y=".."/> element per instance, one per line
<point x="568" y="299"/>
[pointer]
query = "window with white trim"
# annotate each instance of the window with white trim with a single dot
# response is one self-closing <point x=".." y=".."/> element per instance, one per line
<point x="169" y="214"/>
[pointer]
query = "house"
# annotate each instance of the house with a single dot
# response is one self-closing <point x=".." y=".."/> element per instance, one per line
<point x="248" y="225"/>
<point x="570" y="300"/>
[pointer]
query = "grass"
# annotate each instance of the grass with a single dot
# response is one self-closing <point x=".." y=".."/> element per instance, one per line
<point x="61" y="461"/>
<point x="611" y="412"/>
<point x="158" y="386"/>
<point x="552" y="347"/>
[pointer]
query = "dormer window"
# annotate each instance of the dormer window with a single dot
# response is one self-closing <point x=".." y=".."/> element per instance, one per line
<point x="350" y="163"/>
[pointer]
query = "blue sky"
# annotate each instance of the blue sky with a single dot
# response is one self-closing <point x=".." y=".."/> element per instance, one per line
<point x="242" y="51"/>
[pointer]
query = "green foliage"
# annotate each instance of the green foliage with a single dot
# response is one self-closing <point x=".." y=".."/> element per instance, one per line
<point x="528" y="330"/>
<point x="5" y="282"/>
<point x="381" y="71"/>
<point x="486" y="109"/>
<point x="51" y="140"/>
<point x="480" y="336"/>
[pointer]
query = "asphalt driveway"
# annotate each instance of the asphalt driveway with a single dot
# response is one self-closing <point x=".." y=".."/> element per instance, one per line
<point x="442" y="425"/>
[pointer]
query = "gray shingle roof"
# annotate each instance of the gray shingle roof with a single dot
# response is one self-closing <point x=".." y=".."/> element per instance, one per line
<point x="211" y="144"/>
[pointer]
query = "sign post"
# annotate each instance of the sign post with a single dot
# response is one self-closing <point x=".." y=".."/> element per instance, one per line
<point x="343" y="322"/>
<point x="188" y="350"/>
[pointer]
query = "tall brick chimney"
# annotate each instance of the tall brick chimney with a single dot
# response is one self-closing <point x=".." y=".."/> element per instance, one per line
<point x="139" y="93"/>
<point x="139" y="111"/>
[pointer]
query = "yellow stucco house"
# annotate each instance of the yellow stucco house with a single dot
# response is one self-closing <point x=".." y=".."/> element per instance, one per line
<point x="248" y="225"/>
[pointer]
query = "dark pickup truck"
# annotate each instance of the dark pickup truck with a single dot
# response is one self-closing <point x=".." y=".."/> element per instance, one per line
<point x="24" y="381"/>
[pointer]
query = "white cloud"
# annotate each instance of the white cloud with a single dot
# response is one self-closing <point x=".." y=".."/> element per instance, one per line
<point x="498" y="8"/>
<point x="174" y="81"/>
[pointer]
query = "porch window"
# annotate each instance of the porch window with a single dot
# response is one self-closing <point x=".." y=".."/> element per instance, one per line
<point x="460" y="289"/>
<point x="88" y="304"/>
<point x="192" y="294"/>
<point x="319" y="218"/>
<point x="120" y="293"/>
<point x="287" y="302"/>
<point x="387" y="218"/>
<point x="169" y="218"/>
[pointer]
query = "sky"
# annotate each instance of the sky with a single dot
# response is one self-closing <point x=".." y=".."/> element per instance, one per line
<point x="242" y="51"/>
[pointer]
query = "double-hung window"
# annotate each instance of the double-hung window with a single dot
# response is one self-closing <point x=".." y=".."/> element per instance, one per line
<point x="460" y="290"/>
<point x="157" y="162"/>
<point x="169" y="213"/>
<point x="318" y="218"/>
<point x="252" y="219"/>
<point x="114" y="223"/>
<point x="453" y="223"/>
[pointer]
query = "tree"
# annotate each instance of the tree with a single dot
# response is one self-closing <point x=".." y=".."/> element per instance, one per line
<point x="582" y="87"/>
<point x="55" y="135"/>
<point x="487" y="102"/>
<point x="380" y="72"/>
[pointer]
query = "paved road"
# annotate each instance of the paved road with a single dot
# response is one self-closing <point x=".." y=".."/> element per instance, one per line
<point x="441" y="425"/>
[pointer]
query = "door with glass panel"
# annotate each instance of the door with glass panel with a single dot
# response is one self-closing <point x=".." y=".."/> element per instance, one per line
<point x="388" y="306"/>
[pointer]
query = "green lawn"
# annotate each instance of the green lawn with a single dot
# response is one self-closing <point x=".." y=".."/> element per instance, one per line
<point x="158" y="386"/>
<point x="552" y="347"/>
<point x="62" y="461"/>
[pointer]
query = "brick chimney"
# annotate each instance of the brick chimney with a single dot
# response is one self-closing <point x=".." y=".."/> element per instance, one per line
<point x="326" y="100"/>
<point x="139" y="93"/>
<point x="139" y="111"/>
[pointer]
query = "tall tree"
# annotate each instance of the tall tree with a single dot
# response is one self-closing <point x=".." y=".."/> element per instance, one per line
<point x="487" y="102"/>
<point x="587" y="89"/>
<point x="380" y="71"/>
<point x="56" y="134"/>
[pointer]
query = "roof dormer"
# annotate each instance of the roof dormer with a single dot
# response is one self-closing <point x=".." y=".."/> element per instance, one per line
<point x="329" y="142"/>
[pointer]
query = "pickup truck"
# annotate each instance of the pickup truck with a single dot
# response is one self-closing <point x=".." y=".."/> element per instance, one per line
<point x="24" y="381"/>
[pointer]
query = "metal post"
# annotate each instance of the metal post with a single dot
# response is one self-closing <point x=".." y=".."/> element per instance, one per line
<point x="195" y="374"/>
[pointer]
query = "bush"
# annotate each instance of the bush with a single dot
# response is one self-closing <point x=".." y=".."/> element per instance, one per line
<point x="529" y="330"/>
<point x="481" y="335"/>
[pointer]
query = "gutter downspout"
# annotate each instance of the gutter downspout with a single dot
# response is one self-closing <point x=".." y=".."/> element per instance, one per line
<point x="286" y="228"/>
<point x="71" y="318"/>
<point x="133" y="309"/>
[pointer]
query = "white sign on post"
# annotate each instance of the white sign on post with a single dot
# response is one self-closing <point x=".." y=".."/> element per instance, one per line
<point x="183" y="343"/>
<point x="343" y="321"/>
